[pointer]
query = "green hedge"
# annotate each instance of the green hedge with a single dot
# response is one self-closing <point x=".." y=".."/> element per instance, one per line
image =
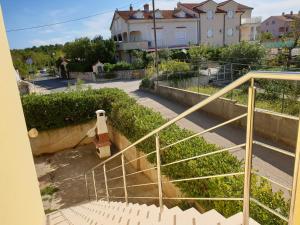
<point x="135" y="121"/>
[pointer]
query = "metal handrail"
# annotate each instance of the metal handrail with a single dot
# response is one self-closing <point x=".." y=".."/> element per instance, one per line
<point x="204" y="155"/>
<point x="206" y="131"/>
<point x="251" y="75"/>
<point x="248" y="153"/>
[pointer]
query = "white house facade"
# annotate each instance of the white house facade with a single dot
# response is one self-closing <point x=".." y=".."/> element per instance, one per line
<point x="208" y="22"/>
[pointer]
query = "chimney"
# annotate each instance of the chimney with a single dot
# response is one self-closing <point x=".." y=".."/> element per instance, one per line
<point x="130" y="8"/>
<point x="299" y="12"/>
<point x="283" y="13"/>
<point x="146" y="7"/>
<point x="291" y="13"/>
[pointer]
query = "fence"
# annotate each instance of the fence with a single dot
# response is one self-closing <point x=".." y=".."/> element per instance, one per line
<point x="210" y="76"/>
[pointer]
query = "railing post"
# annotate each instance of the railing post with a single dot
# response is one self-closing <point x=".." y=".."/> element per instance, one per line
<point x="105" y="180"/>
<point x="124" y="179"/>
<point x="94" y="182"/>
<point x="87" y="187"/>
<point x="248" y="154"/>
<point x="158" y="164"/>
<point x="294" y="215"/>
<point x="231" y="72"/>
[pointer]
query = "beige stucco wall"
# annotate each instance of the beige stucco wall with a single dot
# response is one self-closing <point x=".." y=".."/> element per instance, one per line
<point x="232" y="23"/>
<point x="119" y="26"/>
<point x="20" y="201"/>
<point x="54" y="140"/>
<point x="216" y="25"/>
<point x="274" y="28"/>
<point x="166" y="31"/>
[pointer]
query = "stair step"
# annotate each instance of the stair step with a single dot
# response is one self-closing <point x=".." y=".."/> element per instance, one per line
<point x="211" y="217"/>
<point x="119" y="213"/>
<point x="237" y="219"/>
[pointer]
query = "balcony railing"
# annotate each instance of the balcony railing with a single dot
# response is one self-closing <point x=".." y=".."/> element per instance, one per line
<point x="248" y="171"/>
<point x="124" y="46"/>
<point x="253" y="20"/>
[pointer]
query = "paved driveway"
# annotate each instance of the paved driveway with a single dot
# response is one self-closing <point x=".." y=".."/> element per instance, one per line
<point x="270" y="164"/>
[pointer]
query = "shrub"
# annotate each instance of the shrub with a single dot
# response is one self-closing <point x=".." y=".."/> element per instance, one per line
<point x="118" y="66"/>
<point x="174" y="66"/>
<point x="244" y="53"/>
<point x="205" y="52"/>
<point x="147" y="83"/>
<point x="62" y="109"/>
<point x="49" y="190"/>
<point x="135" y="121"/>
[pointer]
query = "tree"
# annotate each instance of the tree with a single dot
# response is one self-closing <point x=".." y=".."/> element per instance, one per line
<point x="294" y="37"/>
<point x="204" y="52"/>
<point x="266" y="36"/>
<point x="83" y="53"/>
<point x="243" y="53"/>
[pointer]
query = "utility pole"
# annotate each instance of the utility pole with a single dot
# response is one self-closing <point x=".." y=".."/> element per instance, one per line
<point x="155" y="41"/>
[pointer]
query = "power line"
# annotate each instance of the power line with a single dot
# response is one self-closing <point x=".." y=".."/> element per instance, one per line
<point x="70" y="20"/>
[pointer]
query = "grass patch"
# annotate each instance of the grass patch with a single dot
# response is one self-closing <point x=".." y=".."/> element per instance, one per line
<point x="49" y="190"/>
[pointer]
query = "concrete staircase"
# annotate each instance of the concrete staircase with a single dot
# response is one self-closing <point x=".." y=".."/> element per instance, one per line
<point x="118" y="213"/>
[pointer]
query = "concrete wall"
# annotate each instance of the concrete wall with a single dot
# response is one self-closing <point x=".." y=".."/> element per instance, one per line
<point x="122" y="74"/>
<point x="278" y="127"/>
<point x="55" y="140"/>
<point x="142" y="164"/>
<point x="130" y="74"/>
<point x="20" y="200"/>
<point x="169" y="189"/>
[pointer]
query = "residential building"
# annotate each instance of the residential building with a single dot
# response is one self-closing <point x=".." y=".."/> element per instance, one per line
<point x="188" y="24"/>
<point x="279" y="25"/>
<point x="250" y="28"/>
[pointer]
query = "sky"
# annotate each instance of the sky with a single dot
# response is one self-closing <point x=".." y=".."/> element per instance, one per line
<point x="28" y="13"/>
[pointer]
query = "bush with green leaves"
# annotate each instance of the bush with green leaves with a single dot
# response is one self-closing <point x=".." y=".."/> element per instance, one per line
<point x="117" y="66"/>
<point x="243" y="53"/>
<point x="174" y="66"/>
<point x="147" y="83"/>
<point x="205" y="52"/>
<point x="134" y="121"/>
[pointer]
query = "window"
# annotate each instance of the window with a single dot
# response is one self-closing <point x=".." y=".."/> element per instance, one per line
<point x="273" y="22"/>
<point x="230" y="32"/>
<point x="180" y="37"/>
<point x="158" y="14"/>
<point x="267" y="23"/>
<point x="139" y="15"/>
<point x="210" y="14"/>
<point x="180" y="14"/>
<point x="210" y="33"/>
<point x="230" y="14"/>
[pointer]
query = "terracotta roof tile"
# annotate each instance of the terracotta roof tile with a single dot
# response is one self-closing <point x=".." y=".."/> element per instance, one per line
<point x="166" y="14"/>
<point x="241" y="7"/>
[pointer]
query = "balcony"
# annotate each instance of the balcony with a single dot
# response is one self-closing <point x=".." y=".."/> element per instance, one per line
<point x="253" y="20"/>
<point x="124" y="46"/>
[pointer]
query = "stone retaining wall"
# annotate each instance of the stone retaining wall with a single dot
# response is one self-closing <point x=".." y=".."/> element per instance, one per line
<point x="86" y="76"/>
<point x="276" y="126"/>
<point x="122" y="74"/>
